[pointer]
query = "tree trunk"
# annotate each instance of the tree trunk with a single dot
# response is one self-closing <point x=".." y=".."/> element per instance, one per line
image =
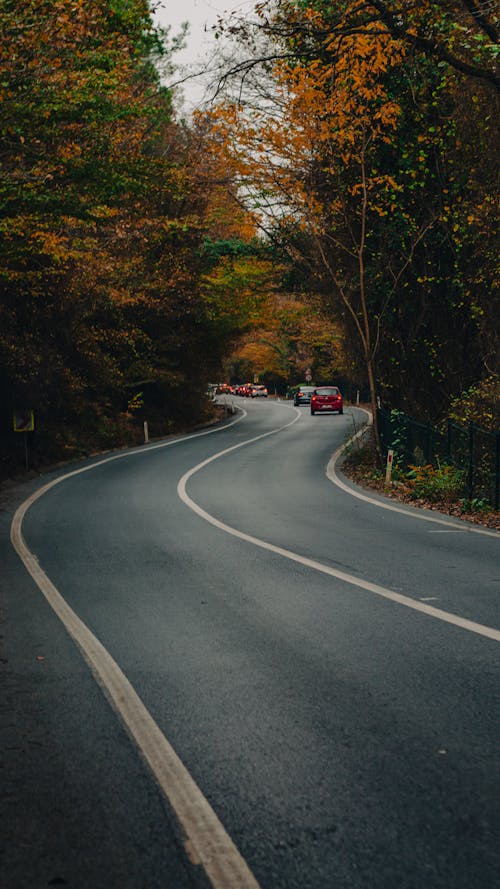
<point x="374" y="405"/>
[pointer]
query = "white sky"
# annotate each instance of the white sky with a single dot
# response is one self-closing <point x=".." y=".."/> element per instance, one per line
<point x="201" y="45"/>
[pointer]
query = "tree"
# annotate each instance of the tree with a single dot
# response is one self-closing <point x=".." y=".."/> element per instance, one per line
<point x="290" y="335"/>
<point x="353" y="144"/>
<point x="103" y="218"/>
<point x="81" y="110"/>
<point x="334" y="118"/>
<point x="462" y="35"/>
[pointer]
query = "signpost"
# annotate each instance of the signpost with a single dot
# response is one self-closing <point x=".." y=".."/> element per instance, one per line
<point x="388" y="470"/>
<point x="308" y="375"/>
<point x="24" y="421"/>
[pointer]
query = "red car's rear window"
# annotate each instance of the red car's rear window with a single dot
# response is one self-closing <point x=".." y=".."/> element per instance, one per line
<point x="330" y="390"/>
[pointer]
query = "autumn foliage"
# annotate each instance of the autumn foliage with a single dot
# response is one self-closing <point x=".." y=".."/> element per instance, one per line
<point x="110" y="305"/>
<point x="365" y="133"/>
<point x="335" y="209"/>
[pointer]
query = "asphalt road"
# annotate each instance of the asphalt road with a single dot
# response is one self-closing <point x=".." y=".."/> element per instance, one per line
<point x="344" y="739"/>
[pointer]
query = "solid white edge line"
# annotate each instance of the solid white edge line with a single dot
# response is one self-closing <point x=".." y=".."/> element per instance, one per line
<point x="413" y="514"/>
<point x="206" y="840"/>
<point x="415" y="604"/>
<point x="207" y="843"/>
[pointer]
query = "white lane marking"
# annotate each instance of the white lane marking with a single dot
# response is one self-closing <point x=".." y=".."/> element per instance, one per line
<point x="384" y="592"/>
<point x="333" y="477"/>
<point x="429" y="598"/>
<point x="207" y="842"/>
<point x="451" y="531"/>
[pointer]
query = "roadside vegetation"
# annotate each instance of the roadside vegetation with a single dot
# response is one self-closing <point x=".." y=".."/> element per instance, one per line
<point x="441" y="484"/>
<point x="441" y="488"/>
<point x="333" y="210"/>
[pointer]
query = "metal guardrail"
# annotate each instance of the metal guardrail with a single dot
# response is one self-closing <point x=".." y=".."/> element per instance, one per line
<point x="474" y="450"/>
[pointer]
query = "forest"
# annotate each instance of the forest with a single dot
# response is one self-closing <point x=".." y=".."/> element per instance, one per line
<point x="334" y="207"/>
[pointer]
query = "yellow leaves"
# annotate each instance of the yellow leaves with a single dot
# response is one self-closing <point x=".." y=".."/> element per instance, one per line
<point x="69" y="150"/>
<point x="121" y="296"/>
<point x="51" y="244"/>
<point x="103" y="212"/>
<point x="388" y="115"/>
<point x="336" y="102"/>
<point x="330" y="114"/>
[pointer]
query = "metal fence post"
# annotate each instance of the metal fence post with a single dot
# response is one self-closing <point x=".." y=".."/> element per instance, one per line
<point x="409" y="440"/>
<point x="466" y="447"/>
<point x="470" y="473"/>
<point x="381" y="427"/>
<point x="497" y="470"/>
<point x="428" y="443"/>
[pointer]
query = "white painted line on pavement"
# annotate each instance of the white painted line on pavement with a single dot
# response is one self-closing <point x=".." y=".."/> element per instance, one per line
<point x="384" y="592"/>
<point x="414" y="514"/>
<point x="207" y="842"/>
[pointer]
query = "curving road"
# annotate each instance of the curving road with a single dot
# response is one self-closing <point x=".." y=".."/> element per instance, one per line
<point x="282" y="685"/>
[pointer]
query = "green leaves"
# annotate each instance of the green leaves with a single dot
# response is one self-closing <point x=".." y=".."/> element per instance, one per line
<point x="100" y="222"/>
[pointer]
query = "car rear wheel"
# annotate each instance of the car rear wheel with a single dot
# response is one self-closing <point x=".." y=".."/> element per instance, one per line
<point x="312" y="412"/>
<point x="341" y="411"/>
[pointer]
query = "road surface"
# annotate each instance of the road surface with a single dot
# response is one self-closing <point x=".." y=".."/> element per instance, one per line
<point x="225" y="670"/>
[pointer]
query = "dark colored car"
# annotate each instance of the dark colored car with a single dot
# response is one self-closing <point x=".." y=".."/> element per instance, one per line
<point x="303" y="395"/>
<point x="326" y="398"/>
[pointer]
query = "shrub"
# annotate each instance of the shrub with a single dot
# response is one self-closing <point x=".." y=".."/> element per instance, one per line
<point x="436" y="483"/>
<point x="477" y="504"/>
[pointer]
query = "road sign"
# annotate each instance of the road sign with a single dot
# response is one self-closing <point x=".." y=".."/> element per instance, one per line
<point x="24" y="420"/>
<point x="308" y="375"/>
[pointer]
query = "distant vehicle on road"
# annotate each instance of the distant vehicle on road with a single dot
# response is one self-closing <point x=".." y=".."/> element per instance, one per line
<point x="326" y="398"/>
<point x="243" y="389"/>
<point x="259" y="392"/>
<point x="303" y="395"/>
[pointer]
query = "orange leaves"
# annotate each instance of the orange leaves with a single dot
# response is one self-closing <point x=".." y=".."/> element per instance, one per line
<point x="50" y="244"/>
<point x="69" y="150"/>
<point x="101" y="211"/>
<point x="324" y="113"/>
<point x="288" y="336"/>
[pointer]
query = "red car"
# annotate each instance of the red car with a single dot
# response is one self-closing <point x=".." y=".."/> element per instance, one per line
<point x="326" y="398"/>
